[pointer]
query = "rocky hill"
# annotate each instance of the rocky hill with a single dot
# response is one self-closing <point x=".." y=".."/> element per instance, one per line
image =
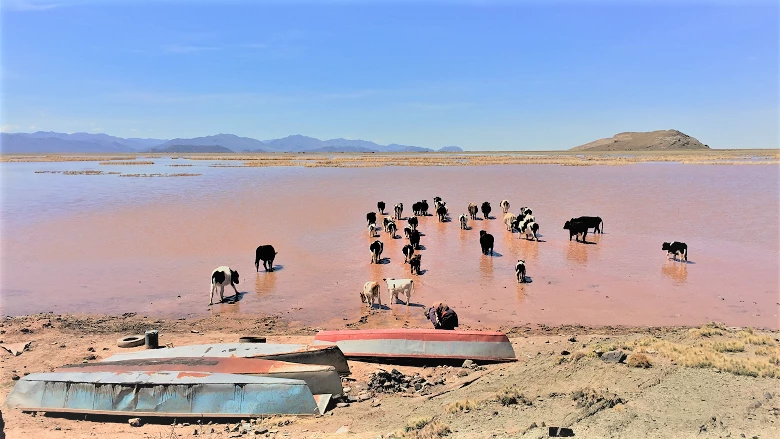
<point x="644" y="141"/>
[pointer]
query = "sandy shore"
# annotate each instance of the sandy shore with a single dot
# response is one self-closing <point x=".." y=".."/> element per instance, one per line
<point x="558" y="381"/>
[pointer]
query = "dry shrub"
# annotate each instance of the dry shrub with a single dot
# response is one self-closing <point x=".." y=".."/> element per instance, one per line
<point x="123" y="163"/>
<point x="88" y="172"/>
<point x="709" y="329"/>
<point x="417" y="423"/>
<point x="588" y="398"/>
<point x="160" y="175"/>
<point x="639" y="360"/>
<point x="750" y="337"/>
<point x="461" y="406"/>
<point x="511" y="396"/>
<point x="181" y="164"/>
<point x="578" y="356"/>
<point x="432" y="429"/>
<point x="728" y="346"/>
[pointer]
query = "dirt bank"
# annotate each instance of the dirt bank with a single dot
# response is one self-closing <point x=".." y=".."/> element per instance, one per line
<point x="558" y="381"/>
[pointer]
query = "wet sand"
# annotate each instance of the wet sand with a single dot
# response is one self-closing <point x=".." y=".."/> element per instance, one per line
<point x="114" y="245"/>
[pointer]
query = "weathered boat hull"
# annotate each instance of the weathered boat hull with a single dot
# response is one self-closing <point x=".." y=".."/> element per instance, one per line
<point x="294" y="353"/>
<point x="320" y="379"/>
<point x="420" y="344"/>
<point x="180" y="394"/>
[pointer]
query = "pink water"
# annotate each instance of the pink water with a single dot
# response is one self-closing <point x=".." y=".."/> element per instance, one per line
<point x="106" y="244"/>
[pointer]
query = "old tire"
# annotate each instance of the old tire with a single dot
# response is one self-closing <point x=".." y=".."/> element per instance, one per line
<point x="130" y="341"/>
<point x="250" y="339"/>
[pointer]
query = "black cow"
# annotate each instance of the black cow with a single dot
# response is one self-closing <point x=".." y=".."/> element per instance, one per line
<point x="380" y="206"/>
<point x="265" y="253"/>
<point x="416" y="207"/>
<point x="414" y="264"/>
<point x="376" y="248"/>
<point x="424" y="207"/>
<point x="520" y="271"/>
<point x="486" y="242"/>
<point x="442" y="213"/>
<point x="408" y="251"/>
<point x="576" y="229"/>
<point x="486" y="210"/>
<point x="592" y="221"/>
<point x="371" y="217"/>
<point x="413" y="223"/>
<point x="414" y="239"/>
<point x="473" y="209"/>
<point x="676" y="248"/>
<point x="407" y="232"/>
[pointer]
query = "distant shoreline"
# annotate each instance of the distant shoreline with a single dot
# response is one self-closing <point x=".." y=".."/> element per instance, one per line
<point x="465" y="158"/>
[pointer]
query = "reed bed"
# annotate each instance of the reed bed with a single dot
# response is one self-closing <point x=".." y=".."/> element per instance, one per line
<point x="181" y="164"/>
<point x="123" y="163"/>
<point x="12" y="158"/>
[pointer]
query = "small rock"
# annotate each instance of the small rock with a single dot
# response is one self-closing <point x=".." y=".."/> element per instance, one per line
<point x="261" y="430"/>
<point x="15" y="377"/>
<point x="469" y="364"/>
<point x="565" y="352"/>
<point x="614" y="356"/>
<point x="134" y="422"/>
<point x="195" y="331"/>
<point x="343" y="429"/>
<point x="375" y="403"/>
<point x="195" y="432"/>
<point x="573" y="339"/>
<point x="560" y="432"/>
<point x="347" y="389"/>
<point x="768" y="395"/>
<point x="57" y="428"/>
<point x="90" y="357"/>
<point x="90" y="349"/>
<point x="462" y="373"/>
<point x="341" y="405"/>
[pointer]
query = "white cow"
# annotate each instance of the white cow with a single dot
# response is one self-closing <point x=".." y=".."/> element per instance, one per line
<point x="396" y="287"/>
<point x="504" y="205"/>
<point x="369" y="293"/>
<point x="220" y="277"/>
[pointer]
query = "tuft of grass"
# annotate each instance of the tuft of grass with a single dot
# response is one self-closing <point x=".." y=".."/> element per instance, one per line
<point x="709" y="330"/>
<point x="417" y="423"/>
<point x="728" y="346"/>
<point x="461" y="406"/>
<point x="639" y="360"/>
<point x="750" y="337"/>
<point x="511" y="396"/>
<point x="577" y="356"/>
<point x="432" y="430"/>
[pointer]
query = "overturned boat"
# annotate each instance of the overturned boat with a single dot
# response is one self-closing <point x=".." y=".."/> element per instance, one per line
<point x="420" y="344"/>
<point x="180" y="394"/>
<point x="329" y="355"/>
<point x="320" y="379"/>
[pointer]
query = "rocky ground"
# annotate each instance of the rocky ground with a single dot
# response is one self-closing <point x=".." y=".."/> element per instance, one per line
<point x="711" y="381"/>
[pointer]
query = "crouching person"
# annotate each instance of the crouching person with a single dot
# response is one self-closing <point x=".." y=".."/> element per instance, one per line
<point x="442" y="316"/>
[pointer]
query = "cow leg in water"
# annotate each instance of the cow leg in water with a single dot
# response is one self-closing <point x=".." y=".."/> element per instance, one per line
<point x="234" y="289"/>
<point x="221" y="293"/>
<point x="211" y="297"/>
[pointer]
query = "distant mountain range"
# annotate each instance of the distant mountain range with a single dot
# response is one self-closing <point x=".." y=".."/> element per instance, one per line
<point x="51" y="142"/>
<point x="644" y="141"/>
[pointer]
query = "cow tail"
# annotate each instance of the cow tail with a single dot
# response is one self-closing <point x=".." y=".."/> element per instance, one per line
<point x="602" y="226"/>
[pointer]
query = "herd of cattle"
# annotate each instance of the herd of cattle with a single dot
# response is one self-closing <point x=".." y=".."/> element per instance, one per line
<point x="524" y="223"/>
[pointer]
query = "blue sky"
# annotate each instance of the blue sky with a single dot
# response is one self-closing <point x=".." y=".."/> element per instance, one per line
<point x="484" y="75"/>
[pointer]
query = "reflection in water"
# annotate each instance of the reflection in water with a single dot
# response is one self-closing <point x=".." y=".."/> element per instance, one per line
<point x="527" y="250"/>
<point x="675" y="270"/>
<point x="486" y="268"/>
<point x="265" y="283"/>
<point x="577" y="252"/>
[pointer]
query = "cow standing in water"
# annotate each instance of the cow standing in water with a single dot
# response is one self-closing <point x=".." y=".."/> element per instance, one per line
<point x="486" y="210"/>
<point x="504" y="205"/>
<point x="398" y="210"/>
<point x="520" y="271"/>
<point x="220" y="277"/>
<point x="380" y="207"/>
<point x="463" y="222"/>
<point x="265" y="253"/>
<point x="473" y="209"/>
<point x="376" y="248"/>
<point x="677" y="249"/>
<point x="408" y="251"/>
<point x="486" y="242"/>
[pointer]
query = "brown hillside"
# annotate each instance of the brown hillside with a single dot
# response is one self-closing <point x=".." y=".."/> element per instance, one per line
<point x="647" y="141"/>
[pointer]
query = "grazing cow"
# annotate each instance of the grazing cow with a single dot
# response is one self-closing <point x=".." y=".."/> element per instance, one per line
<point x="509" y="221"/>
<point x="424" y="207"/>
<point x="408" y="251"/>
<point x="414" y="239"/>
<point x="486" y="210"/>
<point x="391" y="229"/>
<point x="520" y="271"/>
<point x="396" y="287"/>
<point x="413" y="223"/>
<point x="416" y="207"/>
<point x="265" y="253"/>
<point x="592" y="221"/>
<point x="369" y="293"/>
<point x="441" y="212"/>
<point x="407" y="232"/>
<point x="385" y="222"/>
<point x="473" y="209"/>
<point x="504" y="205"/>
<point x="376" y="248"/>
<point x="414" y="264"/>
<point x="398" y="210"/>
<point x="371" y="217"/>
<point x="676" y="249"/>
<point x="380" y="207"/>
<point x="463" y="221"/>
<point x="220" y="277"/>
<point x="486" y="242"/>
<point x="372" y="228"/>
<point x="576" y="229"/>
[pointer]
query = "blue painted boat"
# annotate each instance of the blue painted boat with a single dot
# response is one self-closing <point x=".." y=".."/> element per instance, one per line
<point x="329" y="355"/>
<point x="179" y="394"/>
